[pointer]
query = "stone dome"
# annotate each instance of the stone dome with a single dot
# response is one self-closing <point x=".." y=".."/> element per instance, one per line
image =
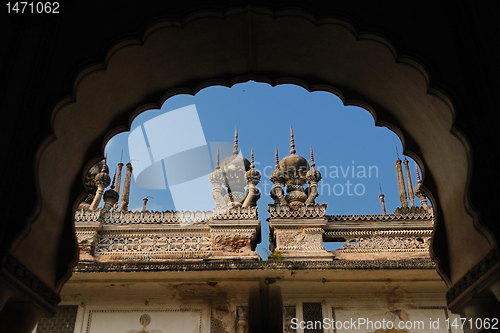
<point x="235" y="163"/>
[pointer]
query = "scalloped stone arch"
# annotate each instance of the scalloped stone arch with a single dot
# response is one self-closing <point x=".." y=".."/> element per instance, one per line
<point x="274" y="47"/>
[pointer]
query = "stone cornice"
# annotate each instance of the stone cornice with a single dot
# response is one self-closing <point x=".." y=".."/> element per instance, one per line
<point x="380" y="218"/>
<point x="228" y="265"/>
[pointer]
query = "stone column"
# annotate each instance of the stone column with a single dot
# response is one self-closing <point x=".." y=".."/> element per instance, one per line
<point x="118" y="182"/>
<point x="242" y="319"/>
<point x="126" y="187"/>
<point x="401" y="184"/>
<point x="102" y="181"/>
<point x="144" y="202"/>
<point x="408" y="182"/>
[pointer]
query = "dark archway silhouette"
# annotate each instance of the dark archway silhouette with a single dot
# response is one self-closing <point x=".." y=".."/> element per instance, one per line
<point x="253" y="43"/>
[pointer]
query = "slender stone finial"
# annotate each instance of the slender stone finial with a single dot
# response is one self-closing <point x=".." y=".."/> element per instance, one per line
<point x="411" y="195"/>
<point x="401" y="184"/>
<point x="312" y="158"/>
<point x="104" y="163"/>
<point x="235" y="151"/>
<point x="292" y="142"/>
<point x="276" y="166"/>
<point x="251" y="160"/>
<point x="126" y="187"/>
<point x="144" y="203"/>
<point x="217" y="166"/>
<point x="113" y="182"/>
<point x="118" y="183"/>
<point x="418" y="175"/>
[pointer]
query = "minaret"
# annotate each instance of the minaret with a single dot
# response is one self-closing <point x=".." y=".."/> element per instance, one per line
<point x="102" y="181"/>
<point x="235" y="151"/>
<point x="252" y="177"/>
<point x="217" y="180"/>
<point x="313" y="176"/>
<point x="126" y="187"/>
<point x="419" y="193"/>
<point x="144" y="202"/>
<point x="408" y="182"/>
<point x="401" y="184"/>
<point x="277" y="177"/>
<point x="382" y="201"/>
<point x="110" y="196"/>
<point x="118" y="182"/>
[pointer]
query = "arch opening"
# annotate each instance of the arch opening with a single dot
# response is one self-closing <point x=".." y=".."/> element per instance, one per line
<point x="394" y="89"/>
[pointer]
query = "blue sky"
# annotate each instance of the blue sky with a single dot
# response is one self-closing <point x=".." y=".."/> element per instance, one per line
<point x="353" y="155"/>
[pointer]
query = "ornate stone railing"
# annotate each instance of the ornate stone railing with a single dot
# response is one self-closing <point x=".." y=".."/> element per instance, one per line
<point x="386" y="243"/>
<point x="249" y="213"/>
<point x="165" y="217"/>
<point x="307" y="212"/>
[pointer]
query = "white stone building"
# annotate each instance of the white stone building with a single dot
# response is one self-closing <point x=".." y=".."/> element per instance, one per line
<point x="165" y="272"/>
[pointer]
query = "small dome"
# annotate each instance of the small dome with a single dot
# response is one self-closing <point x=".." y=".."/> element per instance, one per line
<point x="103" y="178"/>
<point x="235" y="163"/>
<point x="313" y="175"/>
<point x="294" y="166"/>
<point x="112" y="194"/>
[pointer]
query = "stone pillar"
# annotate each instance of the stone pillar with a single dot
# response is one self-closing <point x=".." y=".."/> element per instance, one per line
<point x="118" y="182"/>
<point x="401" y="184"/>
<point x="242" y="319"/>
<point x="144" y="202"/>
<point x="102" y="181"/>
<point x="411" y="195"/>
<point x="126" y="187"/>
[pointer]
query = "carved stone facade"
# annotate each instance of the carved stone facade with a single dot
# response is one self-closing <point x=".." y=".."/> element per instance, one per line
<point x="393" y="236"/>
<point x="152" y="236"/>
<point x="299" y="233"/>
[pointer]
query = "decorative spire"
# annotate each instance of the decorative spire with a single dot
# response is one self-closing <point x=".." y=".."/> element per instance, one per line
<point x="401" y="184"/>
<point x="276" y="166"/>
<point x="251" y="161"/>
<point x="418" y="175"/>
<point x="217" y="166"/>
<point x="113" y="182"/>
<point x="411" y="195"/>
<point x="104" y="163"/>
<point x="312" y="158"/>
<point x="235" y="151"/>
<point x="292" y="142"/>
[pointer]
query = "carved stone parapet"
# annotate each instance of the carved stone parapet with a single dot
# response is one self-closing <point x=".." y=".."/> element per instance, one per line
<point x="155" y="236"/>
<point x="153" y="245"/>
<point x="300" y="240"/>
<point x="184" y="218"/>
<point x="306" y="212"/>
<point x="239" y="213"/>
<point x="386" y="243"/>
